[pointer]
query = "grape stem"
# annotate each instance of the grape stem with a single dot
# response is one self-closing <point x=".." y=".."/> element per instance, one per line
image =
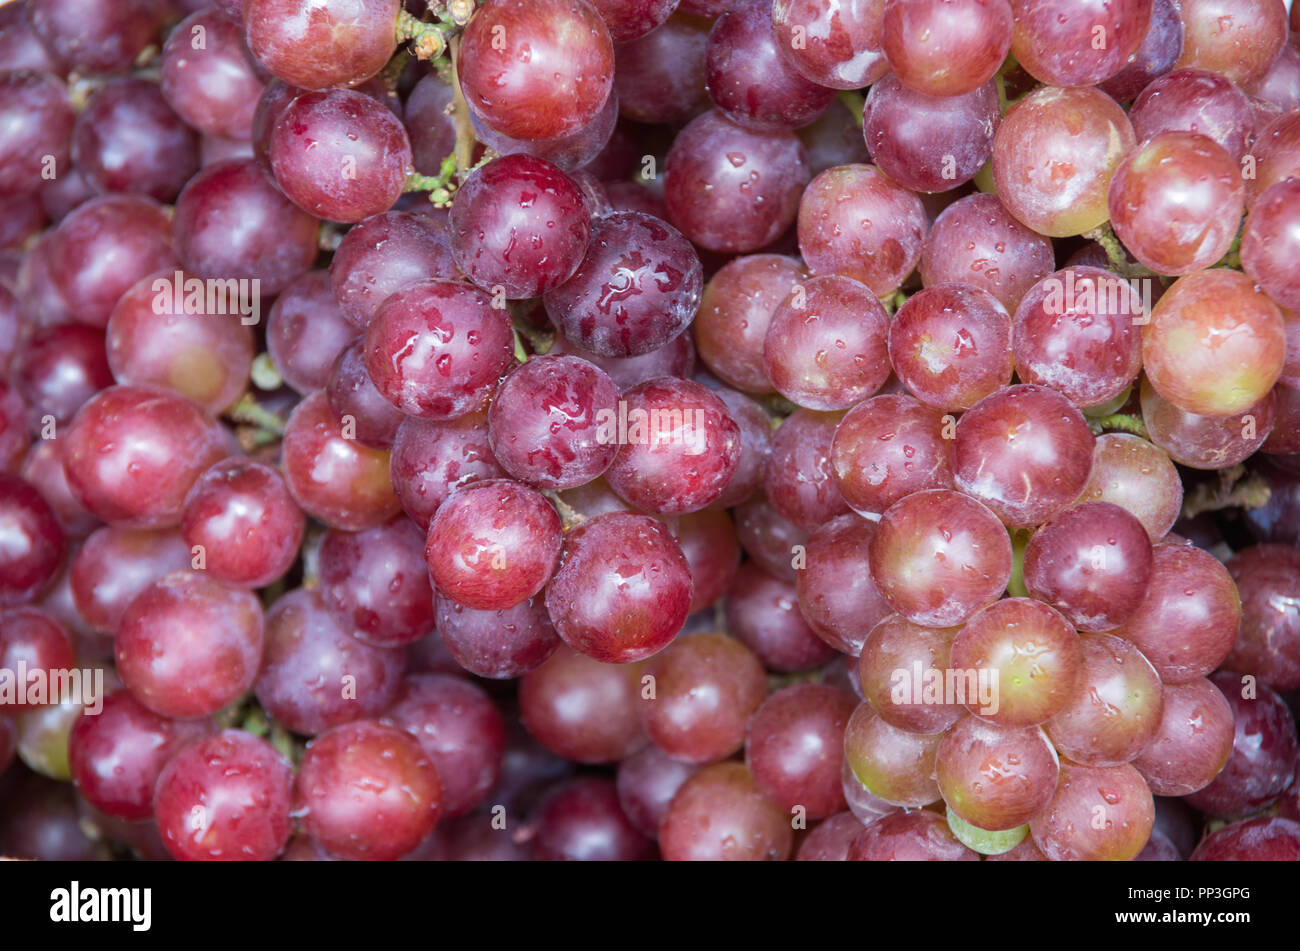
<point x="1122" y="421"/>
<point x="1232" y="258"/>
<point x="569" y="516"/>
<point x="427" y="40"/>
<point x="540" y="341"/>
<point x="854" y="102"/>
<point x="248" y="410"/>
<point x="1119" y="262"/>
<point x="1230" y="490"/>
<point x="465" y="138"/>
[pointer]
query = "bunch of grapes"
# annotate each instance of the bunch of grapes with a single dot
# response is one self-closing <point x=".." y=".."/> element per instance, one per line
<point x="631" y="429"/>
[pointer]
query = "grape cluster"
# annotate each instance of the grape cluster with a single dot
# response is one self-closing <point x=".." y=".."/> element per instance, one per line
<point x="626" y="429"/>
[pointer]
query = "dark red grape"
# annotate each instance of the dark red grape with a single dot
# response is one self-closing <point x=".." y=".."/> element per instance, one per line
<point x="316" y="44"/>
<point x="660" y="76"/>
<point x="799" y="482"/>
<point x="225" y="798"/>
<point x="1156" y="54"/>
<point x="623" y="588"/>
<point x="582" y="821"/>
<point x="353" y="396"/>
<point x="646" y="783"/>
<point x="384" y="254"/>
<point x="431" y="459"/>
<point x="840" y="601"/>
<point x="1098" y="813"/>
<point x="1195" y="100"/>
<point x="498" y="645"/>
<point x="1270" y="241"/>
<point x="307" y="330"/>
<point x="60" y="367"/>
<point x="1074" y="43"/>
<point x="375" y="583"/>
<point x="1263" y="839"/>
<point x="536" y="69"/>
<point x="208" y="78"/>
<point x="795" y="747"/>
<point x="719" y="814"/>
<point x="582" y="709"/>
<point x="367" y="791"/>
<point x="885" y="449"/>
<point x="1268" y="644"/>
<point x="909" y="837"/>
<point x="763" y="614"/>
<point x="731" y="189"/>
<point x="735" y="313"/>
<point x="1193" y="742"/>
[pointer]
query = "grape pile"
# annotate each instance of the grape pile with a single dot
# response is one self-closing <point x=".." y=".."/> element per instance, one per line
<point x="627" y="429"/>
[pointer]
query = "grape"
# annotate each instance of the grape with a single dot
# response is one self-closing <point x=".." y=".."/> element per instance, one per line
<point x="355" y="400"/>
<point x="493" y="544"/>
<point x="1078" y="333"/>
<point x="892" y="765"/>
<point x="240" y="516"/>
<point x="950" y="345"/>
<point x="306" y="331"/>
<point x="188" y="644"/>
<point x="826" y="344"/>
<point x="939" y="556"/>
<point x="857" y="223"/>
<point x="1188" y="621"/>
<point x="1264" y="752"/>
<point x="1054" y="155"/>
<point x="210" y="81"/>
<point x="1276" y="153"/>
<point x="127" y="139"/>
<point x="839" y="44"/>
<point x="1155" y="56"/>
<point x="460" y="730"/>
<point x="314" y="674"/>
<point x="1026" y="851"/>
<point x="436" y="349"/>
<point x="316" y="44"/>
<point x="755" y="446"/>
<point x="1214" y="345"/>
<point x="982" y="840"/>
<point x="1193" y="742"/>
<point x="1017" y="662"/>
<point x="706" y="686"/>
<point x="636" y="289"/>
<point x="520" y="224"/>
<point x="1281" y="84"/>
<point x="43" y="466"/>
<point x="946" y="47"/>
<point x="795" y="747"/>
<point x="582" y="709"/>
<point x="115" y="564"/>
<point x="719" y="814"/>
<point x="1260" y="839"/>
<point x="536" y="70"/>
<point x="582" y="821"/>
<point x="1176" y="202"/>
<point x="117" y="754"/>
<point x="100" y="36"/>
<point x="799" y="481"/>
<point x="708" y="541"/>
<point x="894" y="653"/>
<point x="840" y="602"/>
<point x="1206" y="442"/>
<point x="203" y="352"/>
<point x="103" y="247"/>
<point x="1270" y="242"/>
<point x="38" y="120"/>
<point x="731" y="189"/>
<point x="734" y="315"/>
<point x="60" y="367"/>
<point x="332" y="477"/>
<point x="678" y="447"/>
<point x="1098" y="813"/>
<point x="996" y="777"/>
<point x="497" y="644"/>
<point x="1195" y="100"/>
<point x="630" y="19"/>
<point x="225" y="798"/>
<point x="232" y="222"/>
<point x="430" y="459"/>
<point x="1268" y="645"/>
<point x="1137" y="476"/>
<point x="1071" y="43"/>
<point x="20" y="46"/>
<point x="1240" y="39"/>
<point x="1115" y="708"/>
<point x="748" y="76"/>
<point x="909" y="837"/>
<point x="14" y="414"/>
<point x="660" y="76"/>
<point x="830" y="839"/>
<point x="367" y="791"/>
<point x="340" y="155"/>
<point x="132" y="453"/>
<point x="675" y="358"/>
<point x="32" y="640"/>
<point x="623" y="588"/>
<point x="430" y="129"/>
<point x="929" y="143"/>
<point x="763" y="614"/>
<point x="976" y="241"/>
<point x="1093" y="563"/>
<point x="646" y="783"/>
<point x="376" y="583"/>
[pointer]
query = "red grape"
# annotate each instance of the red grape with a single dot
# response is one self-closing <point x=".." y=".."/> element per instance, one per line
<point x="1074" y="43"/>
<point x="996" y="777"/>
<point x="1098" y="813"/>
<point x="208" y="76"/>
<point x="498" y="645"/>
<point x="316" y="44"/>
<point x="719" y="814"/>
<point x="946" y="47"/>
<point x="832" y="44"/>
<point x="1193" y="742"/>
<point x="1137" y="476"/>
<point x="582" y="709"/>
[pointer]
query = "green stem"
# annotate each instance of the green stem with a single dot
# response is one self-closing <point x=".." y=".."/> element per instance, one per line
<point x="1119" y="262"/>
<point x="854" y="102"/>
<point x="428" y="40"/>
<point x="465" y="138"/>
<point x="1121" y="421"/>
<point x="248" y="410"/>
<point x="1231" y="490"/>
<point x="569" y="516"/>
<point x="1232" y="258"/>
